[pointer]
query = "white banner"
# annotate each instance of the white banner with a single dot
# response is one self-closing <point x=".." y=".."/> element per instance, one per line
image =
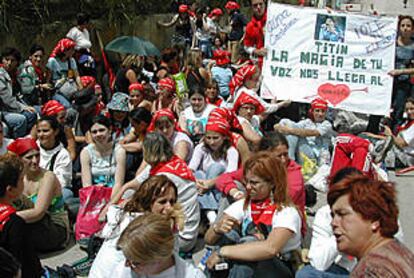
<point x="342" y="58"/>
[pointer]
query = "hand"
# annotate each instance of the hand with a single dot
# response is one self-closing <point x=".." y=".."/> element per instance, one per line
<point x="236" y="194"/>
<point x="261" y="52"/>
<point x="395" y="72"/>
<point x="30" y="109"/>
<point x="285" y="103"/>
<point x="102" y="215"/>
<point x="213" y="260"/>
<point x="202" y="186"/>
<point x="225" y="225"/>
<point x="387" y="131"/>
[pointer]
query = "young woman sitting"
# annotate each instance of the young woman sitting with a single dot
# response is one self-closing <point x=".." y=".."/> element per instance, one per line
<point x="42" y="205"/>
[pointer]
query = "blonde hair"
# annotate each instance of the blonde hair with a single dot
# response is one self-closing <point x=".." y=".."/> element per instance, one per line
<point x="157" y="148"/>
<point x="131" y="61"/>
<point x="151" y="237"/>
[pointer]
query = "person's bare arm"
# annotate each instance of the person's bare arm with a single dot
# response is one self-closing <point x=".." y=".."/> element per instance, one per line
<point x="181" y="149"/>
<point x="85" y="168"/>
<point x="44" y="199"/>
<point x="70" y="137"/>
<point x="120" y="170"/>
<point x="301" y="132"/>
<point x="168" y="24"/>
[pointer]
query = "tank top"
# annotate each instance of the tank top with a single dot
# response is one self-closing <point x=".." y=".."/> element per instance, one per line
<point x="103" y="168"/>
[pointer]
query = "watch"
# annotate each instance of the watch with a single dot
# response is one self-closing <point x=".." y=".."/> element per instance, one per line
<point x="219" y="254"/>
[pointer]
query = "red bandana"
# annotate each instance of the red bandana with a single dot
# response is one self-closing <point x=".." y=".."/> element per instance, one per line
<point x="262" y="212"/>
<point x="319" y="103"/>
<point x="175" y="166"/>
<point x="21" y="146"/>
<point x="62" y="46"/>
<point x="136" y="86"/>
<point x="52" y="107"/>
<point x="166" y="83"/>
<point x="231" y="5"/>
<point x="216" y="12"/>
<point x="5" y="212"/>
<point x="217" y="102"/>
<point x="228" y="115"/>
<point x="241" y="75"/>
<point x="245" y="98"/>
<point x="166" y="112"/>
<point x="221" y="57"/>
<point x="218" y="125"/>
<point x="88" y="81"/>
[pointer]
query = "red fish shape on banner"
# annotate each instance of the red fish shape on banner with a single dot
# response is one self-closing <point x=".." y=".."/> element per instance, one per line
<point x="335" y="94"/>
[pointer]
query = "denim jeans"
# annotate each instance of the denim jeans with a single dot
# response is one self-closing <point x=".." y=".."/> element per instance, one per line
<point x="210" y="200"/>
<point x="20" y="123"/>
<point x="334" y="271"/>
<point x="63" y="100"/>
<point x="402" y="89"/>
<point x="205" y="46"/>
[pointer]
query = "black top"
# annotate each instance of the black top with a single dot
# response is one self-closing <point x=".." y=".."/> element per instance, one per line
<point x="121" y="81"/>
<point x="238" y="21"/>
<point x="14" y="239"/>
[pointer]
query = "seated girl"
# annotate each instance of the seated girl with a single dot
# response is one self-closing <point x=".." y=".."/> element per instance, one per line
<point x="103" y="161"/>
<point x="118" y="114"/>
<point x="42" y="205"/>
<point x="193" y="119"/>
<point x="249" y="110"/>
<point x="212" y="157"/>
<point x="259" y="234"/>
<point x="157" y="195"/>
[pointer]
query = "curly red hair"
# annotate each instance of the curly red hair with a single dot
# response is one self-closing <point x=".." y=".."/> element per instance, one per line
<point x="373" y="200"/>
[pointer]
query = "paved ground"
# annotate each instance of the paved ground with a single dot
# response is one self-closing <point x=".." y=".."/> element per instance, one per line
<point x="405" y="187"/>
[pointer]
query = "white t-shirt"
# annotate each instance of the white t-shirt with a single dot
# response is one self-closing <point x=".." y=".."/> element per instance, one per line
<point x="81" y="38"/>
<point x="181" y="136"/>
<point x="196" y="122"/>
<point x="63" y="164"/>
<point x="202" y="159"/>
<point x="408" y="136"/>
<point x="287" y="217"/>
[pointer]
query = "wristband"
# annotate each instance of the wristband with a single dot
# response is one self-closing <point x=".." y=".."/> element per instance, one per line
<point x="220" y="254"/>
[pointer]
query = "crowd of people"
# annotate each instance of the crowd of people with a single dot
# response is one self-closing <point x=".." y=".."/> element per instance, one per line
<point x="188" y="149"/>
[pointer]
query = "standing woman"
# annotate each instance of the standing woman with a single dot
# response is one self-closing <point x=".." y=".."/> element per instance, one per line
<point x="42" y="206"/>
<point x="269" y="224"/>
<point x="103" y="161"/>
<point x="53" y="155"/>
<point x="404" y="56"/>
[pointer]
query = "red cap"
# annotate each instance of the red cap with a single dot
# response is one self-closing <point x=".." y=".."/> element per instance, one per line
<point x="136" y="86"/>
<point x="245" y="98"/>
<point x="221" y="57"/>
<point x="231" y="5"/>
<point x="218" y="125"/>
<point x="52" y="107"/>
<point x="20" y="146"/>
